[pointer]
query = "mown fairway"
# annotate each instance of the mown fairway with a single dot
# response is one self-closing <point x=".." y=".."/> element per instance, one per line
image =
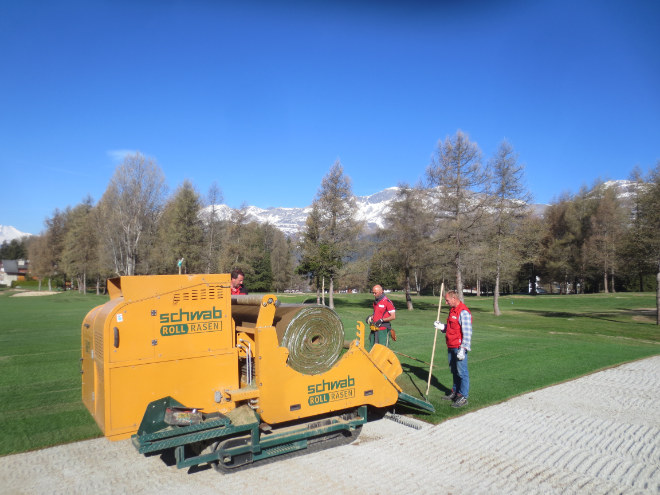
<point x="537" y="341"/>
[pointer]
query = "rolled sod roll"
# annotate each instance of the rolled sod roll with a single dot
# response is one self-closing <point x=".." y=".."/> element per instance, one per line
<point x="313" y="334"/>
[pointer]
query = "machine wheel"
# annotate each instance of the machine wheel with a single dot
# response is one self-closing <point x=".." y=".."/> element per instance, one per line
<point x="244" y="461"/>
<point x="229" y="463"/>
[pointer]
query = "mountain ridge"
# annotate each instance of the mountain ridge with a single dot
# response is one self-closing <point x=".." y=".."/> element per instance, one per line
<point x="9" y="233"/>
<point x="371" y="210"/>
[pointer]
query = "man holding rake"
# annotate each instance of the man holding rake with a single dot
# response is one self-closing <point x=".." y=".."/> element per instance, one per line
<point x="458" y="334"/>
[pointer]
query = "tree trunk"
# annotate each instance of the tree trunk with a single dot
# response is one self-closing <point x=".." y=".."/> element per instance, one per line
<point x="331" y="296"/>
<point x="605" y="282"/>
<point x="323" y="291"/>
<point x="496" y="293"/>
<point x="459" y="278"/>
<point x="409" y="303"/>
<point x="657" y="298"/>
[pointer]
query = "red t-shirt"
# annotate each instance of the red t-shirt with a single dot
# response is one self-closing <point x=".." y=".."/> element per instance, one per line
<point x="382" y="308"/>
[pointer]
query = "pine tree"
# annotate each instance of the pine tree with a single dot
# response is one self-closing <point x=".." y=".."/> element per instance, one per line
<point x="335" y="227"/>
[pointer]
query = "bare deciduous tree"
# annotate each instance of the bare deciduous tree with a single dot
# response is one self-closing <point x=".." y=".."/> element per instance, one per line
<point x="39" y="256"/>
<point x="130" y="208"/>
<point x="509" y="205"/>
<point x="461" y="183"/>
<point x="607" y="226"/>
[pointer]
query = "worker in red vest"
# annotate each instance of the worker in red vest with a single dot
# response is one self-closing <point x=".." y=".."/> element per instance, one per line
<point x="458" y="334"/>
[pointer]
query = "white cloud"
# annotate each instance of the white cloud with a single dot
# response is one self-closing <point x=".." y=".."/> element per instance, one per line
<point x="119" y="155"/>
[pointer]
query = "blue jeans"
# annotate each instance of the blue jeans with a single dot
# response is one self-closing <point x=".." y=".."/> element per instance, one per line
<point x="459" y="370"/>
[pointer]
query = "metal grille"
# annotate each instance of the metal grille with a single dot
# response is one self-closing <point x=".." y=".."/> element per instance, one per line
<point x="98" y="344"/>
<point x="209" y="292"/>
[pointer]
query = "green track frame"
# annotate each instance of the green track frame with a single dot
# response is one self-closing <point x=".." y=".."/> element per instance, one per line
<point x="237" y="436"/>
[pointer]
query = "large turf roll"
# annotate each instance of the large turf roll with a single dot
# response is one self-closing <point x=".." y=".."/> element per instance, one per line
<point x="313" y="334"/>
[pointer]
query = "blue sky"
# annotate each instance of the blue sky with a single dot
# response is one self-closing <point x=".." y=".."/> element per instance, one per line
<point x="263" y="97"/>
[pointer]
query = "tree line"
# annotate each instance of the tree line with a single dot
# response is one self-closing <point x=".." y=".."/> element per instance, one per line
<point x="468" y="224"/>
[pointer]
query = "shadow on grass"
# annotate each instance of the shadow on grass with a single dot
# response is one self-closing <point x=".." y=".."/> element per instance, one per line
<point x="364" y="303"/>
<point x="563" y="314"/>
<point x="410" y="371"/>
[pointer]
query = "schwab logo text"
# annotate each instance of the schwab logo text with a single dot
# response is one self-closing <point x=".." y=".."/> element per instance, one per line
<point x="183" y="322"/>
<point x="329" y="391"/>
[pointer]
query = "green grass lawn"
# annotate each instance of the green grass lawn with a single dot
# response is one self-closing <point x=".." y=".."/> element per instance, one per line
<point x="40" y="385"/>
<point x="537" y="341"/>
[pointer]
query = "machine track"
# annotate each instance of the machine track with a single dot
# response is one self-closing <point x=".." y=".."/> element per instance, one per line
<point x="316" y="444"/>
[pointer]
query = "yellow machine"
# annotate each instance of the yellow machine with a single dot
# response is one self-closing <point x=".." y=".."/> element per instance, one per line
<point x="175" y="361"/>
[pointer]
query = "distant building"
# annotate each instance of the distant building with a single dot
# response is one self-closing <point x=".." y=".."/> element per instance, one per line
<point x="13" y="270"/>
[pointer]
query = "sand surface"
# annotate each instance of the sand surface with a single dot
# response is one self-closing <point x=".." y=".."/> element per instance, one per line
<point x="32" y="293"/>
<point x="597" y="434"/>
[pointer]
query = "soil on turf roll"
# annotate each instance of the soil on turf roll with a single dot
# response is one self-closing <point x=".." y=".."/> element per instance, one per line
<point x="313" y="334"/>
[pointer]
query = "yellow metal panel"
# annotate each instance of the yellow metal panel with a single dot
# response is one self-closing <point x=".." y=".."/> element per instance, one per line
<point x="244" y="393"/>
<point x="157" y="336"/>
<point x="288" y="395"/>
<point x="192" y="382"/>
<point x="386" y="361"/>
<point x="87" y="360"/>
<point x="204" y="326"/>
<point x="169" y="316"/>
<point x="128" y="334"/>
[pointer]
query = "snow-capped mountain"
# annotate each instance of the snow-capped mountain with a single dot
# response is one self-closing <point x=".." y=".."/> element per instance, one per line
<point x="7" y="233"/>
<point x="370" y="210"/>
<point x="626" y="190"/>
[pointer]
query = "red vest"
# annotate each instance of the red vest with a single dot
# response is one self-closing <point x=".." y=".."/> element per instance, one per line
<point x="454" y="335"/>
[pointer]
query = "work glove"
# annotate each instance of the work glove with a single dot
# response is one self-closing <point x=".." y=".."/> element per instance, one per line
<point x="370" y="320"/>
<point x="379" y="323"/>
<point x="460" y="355"/>
<point x="440" y="326"/>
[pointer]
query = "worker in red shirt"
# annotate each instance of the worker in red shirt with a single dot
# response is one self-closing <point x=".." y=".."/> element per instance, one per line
<point x="237" y="278"/>
<point x="380" y="319"/>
